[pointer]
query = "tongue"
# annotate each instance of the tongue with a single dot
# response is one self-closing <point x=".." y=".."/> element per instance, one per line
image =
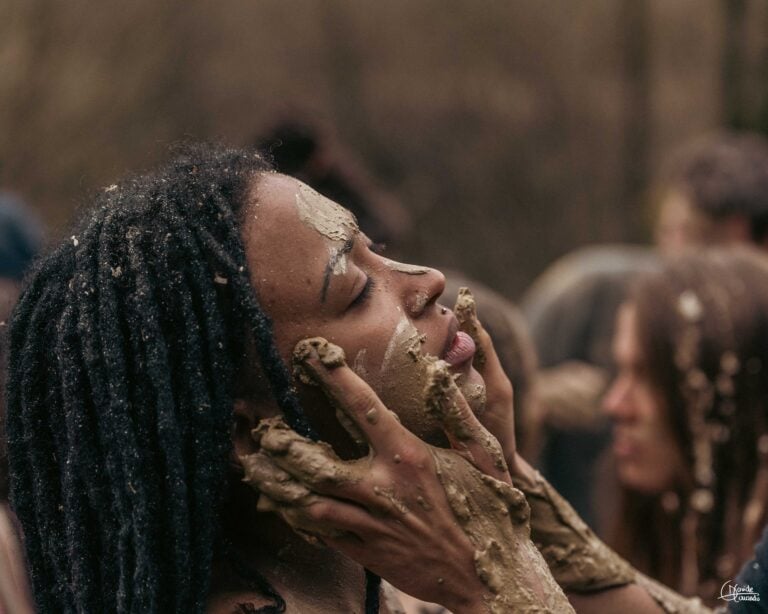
<point x="462" y="349"/>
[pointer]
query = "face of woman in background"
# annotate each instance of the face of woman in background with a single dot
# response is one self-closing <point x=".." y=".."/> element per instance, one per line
<point x="316" y="274"/>
<point x="648" y="458"/>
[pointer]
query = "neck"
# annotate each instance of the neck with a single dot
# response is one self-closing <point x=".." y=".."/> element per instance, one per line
<point x="309" y="578"/>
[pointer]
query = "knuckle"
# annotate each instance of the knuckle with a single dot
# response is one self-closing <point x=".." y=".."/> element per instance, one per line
<point x="414" y="456"/>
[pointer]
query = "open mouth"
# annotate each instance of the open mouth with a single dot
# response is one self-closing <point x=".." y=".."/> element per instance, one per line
<point x="462" y="349"/>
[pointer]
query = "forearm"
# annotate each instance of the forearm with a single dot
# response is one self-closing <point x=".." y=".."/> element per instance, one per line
<point x="594" y="576"/>
<point x="627" y="599"/>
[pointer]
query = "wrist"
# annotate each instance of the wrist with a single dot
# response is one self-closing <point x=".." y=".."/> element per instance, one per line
<point x="519" y="469"/>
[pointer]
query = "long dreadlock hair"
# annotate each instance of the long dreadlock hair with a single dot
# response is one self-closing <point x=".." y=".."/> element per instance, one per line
<point x="124" y="348"/>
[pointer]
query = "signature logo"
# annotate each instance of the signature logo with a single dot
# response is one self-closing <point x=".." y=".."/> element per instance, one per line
<point x="731" y="591"/>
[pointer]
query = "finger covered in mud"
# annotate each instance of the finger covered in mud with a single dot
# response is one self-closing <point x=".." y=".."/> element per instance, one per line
<point x="313" y="463"/>
<point x="313" y="352"/>
<point x="313" y="490"/>
<point x="261" y="472"/>
<point x="324" y="363"/>
<point x="301" y="519"/>
<point x="282" y="494"/>
<point x="486" y="361"/>
<point x="465" y="310"/>
<point x="449" y="407"/>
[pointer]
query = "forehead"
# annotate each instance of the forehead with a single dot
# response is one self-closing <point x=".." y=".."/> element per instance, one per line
<point x="290" y="232"/>
<point x="278" y="199"/>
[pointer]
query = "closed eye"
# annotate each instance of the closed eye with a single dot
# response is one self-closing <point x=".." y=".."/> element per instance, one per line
<point x="364" y="294"/>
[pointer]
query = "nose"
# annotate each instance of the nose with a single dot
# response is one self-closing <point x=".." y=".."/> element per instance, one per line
<point x="422" y="291"/>
<point x="617" y="402"/>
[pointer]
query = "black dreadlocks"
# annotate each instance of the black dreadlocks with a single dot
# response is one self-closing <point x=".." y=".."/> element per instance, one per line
<point x="123" y="353"/>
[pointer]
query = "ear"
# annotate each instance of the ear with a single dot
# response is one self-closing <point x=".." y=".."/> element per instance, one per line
<point x="246" y="416"/>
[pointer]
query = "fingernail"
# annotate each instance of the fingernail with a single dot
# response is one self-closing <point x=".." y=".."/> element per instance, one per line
<point x="466" y="307"/>
<point x="466" y="314"/>
<point x="312" y="354"/>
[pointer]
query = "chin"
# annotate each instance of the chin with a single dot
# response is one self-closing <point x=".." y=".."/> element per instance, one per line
<point x="647" y="481"/>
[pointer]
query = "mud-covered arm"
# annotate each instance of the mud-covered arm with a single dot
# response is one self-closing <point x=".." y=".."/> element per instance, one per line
<point x="595" y="578"/>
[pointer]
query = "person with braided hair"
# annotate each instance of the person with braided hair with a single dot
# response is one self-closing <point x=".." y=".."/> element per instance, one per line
<point x="149" y="345"/>
<point x="689" y="411"/>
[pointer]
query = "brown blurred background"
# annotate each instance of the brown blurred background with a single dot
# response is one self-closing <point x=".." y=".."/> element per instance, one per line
<point x="512" y="131"/>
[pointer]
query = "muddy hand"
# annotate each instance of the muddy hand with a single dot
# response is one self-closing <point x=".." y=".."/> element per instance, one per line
<point x="281" y="493"/>
<point x="433" y="524"/>
<point x="499" y="416"/>
<point x="323" y="362"/>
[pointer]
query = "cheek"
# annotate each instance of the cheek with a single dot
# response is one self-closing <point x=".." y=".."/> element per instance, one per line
<point x="396" y="370"/>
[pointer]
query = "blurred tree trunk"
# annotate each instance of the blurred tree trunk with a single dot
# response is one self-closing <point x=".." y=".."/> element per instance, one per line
<point x="35" y="21"/>
<point x="344" y="69"/>
<point x="634" y="18"/>
<point x="762" y="121"/>
<point x="734" y="13"/>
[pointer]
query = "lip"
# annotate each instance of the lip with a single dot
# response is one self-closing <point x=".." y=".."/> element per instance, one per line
<point x="450" y="335"/>
<point x="623" y="446"/>
<point x="459" y="347"/>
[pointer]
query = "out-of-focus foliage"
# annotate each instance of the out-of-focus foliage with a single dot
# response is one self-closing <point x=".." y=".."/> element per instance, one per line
<point x="513" y="131"/>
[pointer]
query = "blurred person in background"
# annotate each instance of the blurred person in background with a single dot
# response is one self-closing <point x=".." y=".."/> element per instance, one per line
<point x="20" y="239"/>
<point x="570" y="310"/>
<point x="713" y="191"/>
<point x="689" y="408"/>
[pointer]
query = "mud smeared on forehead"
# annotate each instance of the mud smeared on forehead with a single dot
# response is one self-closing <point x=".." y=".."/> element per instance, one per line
<point x="323" y="215"/>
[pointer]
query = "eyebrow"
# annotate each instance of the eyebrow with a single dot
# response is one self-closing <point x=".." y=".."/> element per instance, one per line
<point x="332" y="262"/>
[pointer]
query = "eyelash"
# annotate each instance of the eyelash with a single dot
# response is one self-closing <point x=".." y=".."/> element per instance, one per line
<point x="364" y="293"/>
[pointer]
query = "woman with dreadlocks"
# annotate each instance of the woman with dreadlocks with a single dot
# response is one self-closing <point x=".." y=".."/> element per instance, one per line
<point x="689" y="408"/>
<point x="146" y="348"/>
